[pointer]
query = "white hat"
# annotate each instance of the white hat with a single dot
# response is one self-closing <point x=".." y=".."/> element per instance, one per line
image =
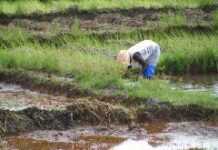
<point x="123" y="57"/>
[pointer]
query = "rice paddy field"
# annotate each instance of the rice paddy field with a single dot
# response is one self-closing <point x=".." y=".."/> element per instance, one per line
<point x="68" y="48"/>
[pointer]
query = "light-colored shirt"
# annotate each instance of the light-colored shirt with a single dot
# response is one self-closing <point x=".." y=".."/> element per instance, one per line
<point x="149" y="50"/>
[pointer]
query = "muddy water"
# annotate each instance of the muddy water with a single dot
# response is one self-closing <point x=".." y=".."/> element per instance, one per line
<point x="94" y="138"/>
<point x="158" y="136"/>
<point x="13" y="97"/>
<point x="150" y="136"/>
<point x="199" y="83"/>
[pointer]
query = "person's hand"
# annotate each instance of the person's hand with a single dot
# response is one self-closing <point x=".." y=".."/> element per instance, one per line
<point x="148" y="77"/>
<point x="129" y="67"/>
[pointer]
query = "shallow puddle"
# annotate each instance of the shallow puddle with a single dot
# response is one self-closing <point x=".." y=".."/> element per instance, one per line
<point x="14" y="97"/>
<point x="31" y="144"/>
<point x="175" y="136"/>
<point x="199" y="83"/>
<point x="186" y="135"/>
<point x="150" y="136"/>
<point x="86" y="138"/>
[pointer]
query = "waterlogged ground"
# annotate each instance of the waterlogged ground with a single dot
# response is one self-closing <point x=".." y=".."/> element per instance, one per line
<point x="199" y="83"/>
<point x="149" y="136"/>
<point x="157" y="136"/>
<point x="14" y="97"/>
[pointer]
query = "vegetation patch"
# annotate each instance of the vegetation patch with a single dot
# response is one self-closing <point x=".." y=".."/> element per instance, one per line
<point x="41" y="6"/>
<point x="90" y="62"/>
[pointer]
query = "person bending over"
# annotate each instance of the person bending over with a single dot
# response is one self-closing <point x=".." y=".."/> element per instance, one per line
<point x="144" y="55"/>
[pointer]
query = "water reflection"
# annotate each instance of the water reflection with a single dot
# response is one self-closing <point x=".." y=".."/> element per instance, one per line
<point x="199" y="83"/>
<point x="175" y="136"/>
<point x="14" y="97"/>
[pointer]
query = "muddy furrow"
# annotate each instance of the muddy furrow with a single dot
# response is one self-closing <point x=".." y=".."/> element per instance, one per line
<point x="104" y="19"/>
<point x="75" y="12"/>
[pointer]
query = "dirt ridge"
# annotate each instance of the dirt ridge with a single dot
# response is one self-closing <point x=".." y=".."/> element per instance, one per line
<point x="134" y="17"/>
<point x="97" y="113"/>
<point x="74" y="11"/>
<point x="78" y="113"/>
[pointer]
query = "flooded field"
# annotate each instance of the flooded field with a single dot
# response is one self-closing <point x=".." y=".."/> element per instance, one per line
<point x="158" y="136"/>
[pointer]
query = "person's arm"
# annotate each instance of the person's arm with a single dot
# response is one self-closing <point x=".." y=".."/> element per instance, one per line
<point x="138" y="58"/>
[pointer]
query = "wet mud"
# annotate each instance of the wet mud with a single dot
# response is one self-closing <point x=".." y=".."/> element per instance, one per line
<point x="186" y="135"/>
<point x="43" y="102"/>
<point x="24" y="110"/>
<point x="12" y="122"/>
<point x="15" y="98"/>
<point x="35" y="119"/>
<point x="79" y="138"/>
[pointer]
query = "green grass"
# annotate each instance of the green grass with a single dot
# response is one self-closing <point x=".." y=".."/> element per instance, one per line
<point x="182" y="52"/>
<point x="19" y="7"/>
<point x="194" y="61"/>
<point x="172" y="20"/>
<point x="99" y="4"/>
<point x="215" y="17"/>
<point x="87" y="69"/>
<point x="35" y="6"/>
<point x="97" y="72"/>
<point x="90" y="60"/>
